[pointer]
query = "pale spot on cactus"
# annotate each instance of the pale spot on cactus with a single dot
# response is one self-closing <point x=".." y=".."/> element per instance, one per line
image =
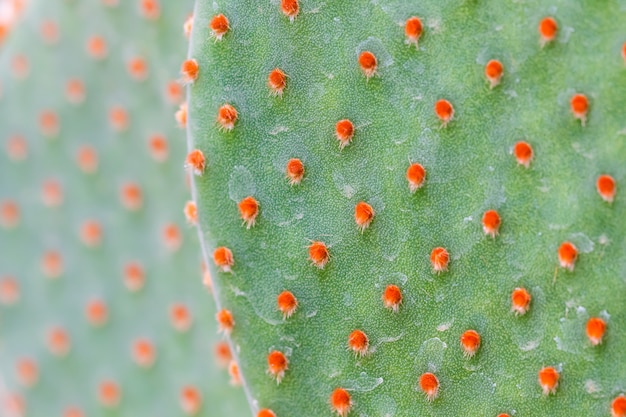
<point x="49" y="124"/>
<point x="9" y="291"/>
<point x="73" y="412"/>
<point x="172" y="237"/>
<point x="97" y="47"/>
<point x="96" y="313"/>
<point x="58" y="341"/>
<point x="118" y="119"/>
<point x="49" y="31"/>
<point x="109" y="393"/>
<point x="157" y="145"/>
<point x="233" y="371"/>
<point x="51" y="193"/>
<point x="138" y="68"/>
<point x="91" y="233"/>
<point x="143" y="352"/>
<point x="131" y="196"/>
<point x="190" y="400"/>
<point x="431" y="353"/>
<point x="75" y="91"/>
<point x="222" y="354"/>
<point x="174" y="92"/>
<point x="181" y="115"/>
<point x="17" y="148"/>
<point x="191" y="212"/>
<point x="9" y="214"/>
<point x="27" y="372"/>
<point x="180" y="317"/>
<point x="134" y="276"/>
<point x="52" y="264"/>
<point x="20" y="67"/>
<point x="188" y="26"/>
<point x="150" y="9"/>
<point x="364" y="383"/>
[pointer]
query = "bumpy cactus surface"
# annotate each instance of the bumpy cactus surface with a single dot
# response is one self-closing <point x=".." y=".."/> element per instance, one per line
<point x="102" y="307"/>
<point x="487" y="280"/>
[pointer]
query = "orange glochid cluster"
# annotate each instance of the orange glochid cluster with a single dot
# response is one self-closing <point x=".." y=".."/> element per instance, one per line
<point x="189" y="71"/>
<point x="219" y="26"/>
<point x="277" y="81"/>
<point x="618" y="406"/>
<point x="138" y="68"/>
<point x="470" y="342"/>
<point x="190" y="400"/>
<point x="567" y="255"/>
<point x="131" y="196"/>
<point x="290" y="8"/>
<point x="579" y="105"/>
<point x="195" y="161"/>
<point x="413" y="30"/>
<point x="363" y="215"/>
<point x="344" y="131"/>
<point x="444" y="111"/>
<point x="368" y="64"/>
<point x="340" y="402"/>
<point x="134" y="276"/>
<point x="392" y="298"/>
<point x="277" y="364"/>
<point x="27" y="372"/>
<point x="429" y="384"/>
<point x="227" y="117"/>
<point x="109" y="393"/>
<point x="439" y="259"/>
<point x="266" y="412"/>
<point x="287" y="303"/>
<point x="295" y="171"/>
<point x="523" y="153"/>
<point x="191" y="212"/>
<point x="248" y="210"/>
<point x="605" y="184"/>
<point x="548" y="379"/>
<point x="223" y="259"/>
<point x="358" y="342"/>
<point x="143" y="352"/>
<point x="150" y="9"/>
<point x="415" y="175"/>
<point x="520" y="301"/>
<point x="548" y="29"/>
<point x="96" y="312"/>
<point x="318" y="254"/>
<point x="491" y="223"/>
<point x="225" y="321"/>
<point x="180" y="317"/>
<point x="493" y="72"/>
<point x="595" y="329"/>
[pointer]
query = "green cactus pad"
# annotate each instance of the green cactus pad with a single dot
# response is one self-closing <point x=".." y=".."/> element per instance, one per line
<point x="471" y="167"/>
<point x="55" y="195"/>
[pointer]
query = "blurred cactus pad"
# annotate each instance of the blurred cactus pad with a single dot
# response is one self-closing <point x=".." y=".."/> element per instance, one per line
<point x="102" y="307"/>
<point x="413" y="208"/>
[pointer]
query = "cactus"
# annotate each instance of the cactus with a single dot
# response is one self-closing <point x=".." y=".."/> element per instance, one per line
<point x="95" y="252"/>
<point x="410" y="208"/>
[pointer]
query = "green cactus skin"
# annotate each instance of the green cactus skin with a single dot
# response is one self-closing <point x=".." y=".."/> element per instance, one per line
<point x="171" y="276"/>
<point x="470" y="169"/>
